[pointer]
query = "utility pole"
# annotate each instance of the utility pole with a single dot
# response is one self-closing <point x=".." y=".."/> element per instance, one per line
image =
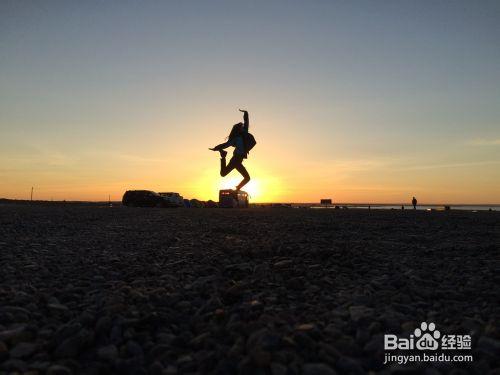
<point x="31" y="199"/>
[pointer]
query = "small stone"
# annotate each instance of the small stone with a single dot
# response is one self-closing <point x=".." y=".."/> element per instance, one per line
<point x="17" y="334"/>
<point x="237" y="349"/>
<point x="184" y="359"/>
<point x="103" y="325"/>
<point x="15" y="364"/>
<point x="374" y="327"/>
<point x="198" y="340"/>
<point x="233" y="293"/>
<point x="40" y="366"/>
<point x="134" y="349"/>
<point x="70" y="347"/>
<point x="57" y="307"/>
<point x="303" y="339"/>
<point x="108" y="353"/>
<point x="4" y="351"/>
<point x="170" y="370"/>
<point x="362" y="336"/>
<point x="58" y="370"/>
<point x="295" y="283"/>
<point x="183" y="305"/>
<point x="158" y="351"/>
<point x="360" y="313"/>
<point x="283" y="263"/>
<point x="305" y="327"/>
<point x="278" y="369"/>
<point x="408" y="327"/>
<point x="23" y="350"/>
<point x="317" y="369"/>
<point x="156" y="368"/>
<point x="376" y="344"/>
<point x="330" y="350"/>
<point x="349" y="366"/>
<point x="53" y="300"/>
<point x="261" y="358"/>
<point x="489" y="345"/>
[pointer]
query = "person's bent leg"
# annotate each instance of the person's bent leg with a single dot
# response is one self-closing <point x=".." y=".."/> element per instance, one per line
<point x="246" y="177"/>
<point x="225" y="169"/>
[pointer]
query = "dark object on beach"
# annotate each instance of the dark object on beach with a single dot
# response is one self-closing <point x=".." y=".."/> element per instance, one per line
<point x="211" y="204"/>
<point x="326" y="202"/>
<point x="414" y="203"/>
<point x="233" y="198"/>
<point x="144" y="198"/>
<point x="281" y="205"/>
<point x="402" y="207"/>
<point x="195" y="203"/>
<point x="446" y="208"/>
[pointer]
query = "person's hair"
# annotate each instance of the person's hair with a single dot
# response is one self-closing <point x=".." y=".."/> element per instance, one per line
<point x="235" y="131"/>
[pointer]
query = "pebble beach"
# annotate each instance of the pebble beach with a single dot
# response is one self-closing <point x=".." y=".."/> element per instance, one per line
<point x="117" y="290"/>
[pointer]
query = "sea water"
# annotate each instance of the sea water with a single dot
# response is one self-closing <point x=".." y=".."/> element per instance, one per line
<point x="439" y="207"/>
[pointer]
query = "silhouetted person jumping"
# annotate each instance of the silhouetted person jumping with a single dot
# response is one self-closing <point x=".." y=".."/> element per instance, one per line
<point x="242" y="141"/>
<point x="414" y="203"/>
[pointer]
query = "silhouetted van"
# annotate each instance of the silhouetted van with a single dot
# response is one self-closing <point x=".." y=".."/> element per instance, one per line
<point x="144" y="198"/>
<point x="233" y="199"/>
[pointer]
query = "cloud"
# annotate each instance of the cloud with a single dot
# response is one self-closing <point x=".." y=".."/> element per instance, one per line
<point x="452" y="165"/>
<point x="485" y="142"/>
<point x="138" y="159"/>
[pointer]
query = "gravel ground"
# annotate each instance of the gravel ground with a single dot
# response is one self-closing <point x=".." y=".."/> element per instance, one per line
<point x="103" y="290"/>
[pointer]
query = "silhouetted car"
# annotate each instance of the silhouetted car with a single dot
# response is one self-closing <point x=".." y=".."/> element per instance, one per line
<point x="211" y="204"/>
<point x="281" y="205"/>
<point x="233" y="199"/>
<point x="144" y="198"/>
<point x="195" y="203"/>
<point x="174" y="198"/>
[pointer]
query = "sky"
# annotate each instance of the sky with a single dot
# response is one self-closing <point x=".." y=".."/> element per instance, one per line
<point x="358" y="101"/>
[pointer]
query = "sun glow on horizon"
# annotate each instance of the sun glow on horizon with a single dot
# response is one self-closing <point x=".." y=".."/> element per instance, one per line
<point x="263" y="187"/>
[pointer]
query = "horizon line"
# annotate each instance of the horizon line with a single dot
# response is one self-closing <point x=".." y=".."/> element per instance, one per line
<point x="277" y="202"/>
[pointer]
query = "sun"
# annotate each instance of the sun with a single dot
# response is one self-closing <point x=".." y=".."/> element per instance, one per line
<point x="252" y="188"/>
<point x="263" y="187"/>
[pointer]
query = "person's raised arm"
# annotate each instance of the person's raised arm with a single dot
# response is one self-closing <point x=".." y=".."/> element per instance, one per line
<point x="246" y="122"/>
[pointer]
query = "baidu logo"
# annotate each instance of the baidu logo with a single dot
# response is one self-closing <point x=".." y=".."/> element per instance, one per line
<point x="427" y="337"/>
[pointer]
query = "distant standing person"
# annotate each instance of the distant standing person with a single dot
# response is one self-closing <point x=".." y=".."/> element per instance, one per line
<point x="414" y="203"/>
<point x="243" y="142"/>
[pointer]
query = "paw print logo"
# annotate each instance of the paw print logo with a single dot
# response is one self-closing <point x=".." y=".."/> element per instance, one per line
<point x="427" y="336"/>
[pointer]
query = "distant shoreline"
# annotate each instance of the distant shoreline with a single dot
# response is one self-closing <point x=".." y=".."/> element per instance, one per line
<point x="388" y="206"/>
